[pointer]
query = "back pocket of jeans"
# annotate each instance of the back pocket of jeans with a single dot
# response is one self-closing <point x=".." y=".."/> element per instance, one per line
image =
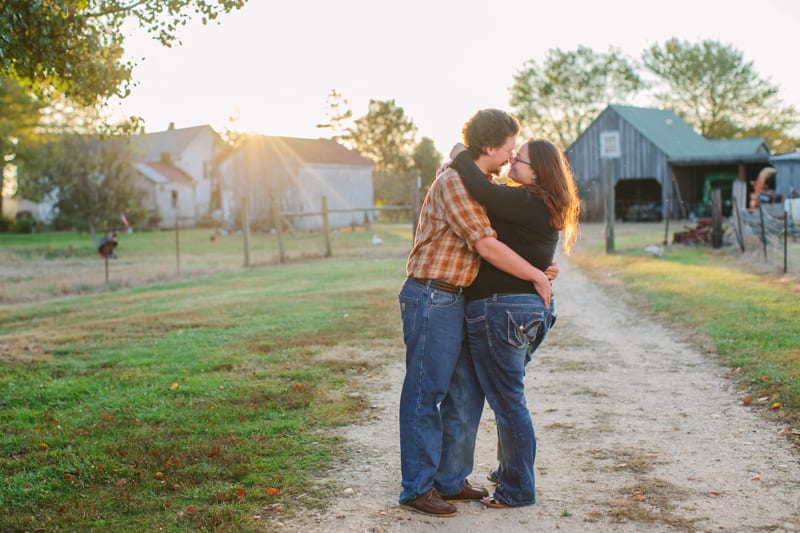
<point x="523" y="328"/>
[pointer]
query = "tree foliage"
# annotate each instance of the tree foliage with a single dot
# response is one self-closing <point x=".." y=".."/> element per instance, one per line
<point x="560" y="98"/>
<point x="19" y="114"/>
<point x="75" y="47"/>
<point x="91" y="178"/>
<point x="426" y="161"/>
<point x="337" y="113"/>
<point x="386" y="136"/>
<point x="75" y="157"/>
<point x="714" y="89"/>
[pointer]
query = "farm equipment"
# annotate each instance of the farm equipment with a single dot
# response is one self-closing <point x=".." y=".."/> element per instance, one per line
<point x="724" y="182"/>
<point x="702" y="232"/>
<point x="762" y="195"/>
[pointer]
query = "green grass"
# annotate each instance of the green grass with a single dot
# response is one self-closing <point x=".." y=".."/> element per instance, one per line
<point x="751" y="320"/>
<point x="178" y="406"/>
<point x="162" y="402"/>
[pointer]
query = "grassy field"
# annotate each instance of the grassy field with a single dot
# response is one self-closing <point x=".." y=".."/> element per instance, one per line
<point x="202" y="401"/>
<point x="42" y="266"/>
<point x="191" y="404"/>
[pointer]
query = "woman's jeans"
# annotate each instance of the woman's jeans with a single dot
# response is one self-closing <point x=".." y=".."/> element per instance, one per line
<point x="441" y="401"/>
<point x="503" y="333"/>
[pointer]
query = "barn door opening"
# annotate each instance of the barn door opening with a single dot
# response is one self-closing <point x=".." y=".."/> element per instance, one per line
<point x="639" y="200"/>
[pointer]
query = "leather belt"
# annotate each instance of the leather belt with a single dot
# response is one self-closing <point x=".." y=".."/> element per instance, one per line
<point x="439" y="285"/>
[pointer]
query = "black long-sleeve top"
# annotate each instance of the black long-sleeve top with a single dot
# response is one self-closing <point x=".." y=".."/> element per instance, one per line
<point x="522" y="222"/>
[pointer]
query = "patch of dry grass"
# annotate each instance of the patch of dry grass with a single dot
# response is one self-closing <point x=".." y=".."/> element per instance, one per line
<point x="650" y="501"/>
<point x="628" y="460"/>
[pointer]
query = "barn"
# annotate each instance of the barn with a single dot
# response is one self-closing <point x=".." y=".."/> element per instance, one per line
<point x="298" y="172"/>
<point x="664" y="166"/>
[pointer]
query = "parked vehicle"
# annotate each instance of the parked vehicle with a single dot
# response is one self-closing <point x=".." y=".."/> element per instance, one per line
<point x="643" y="212"/>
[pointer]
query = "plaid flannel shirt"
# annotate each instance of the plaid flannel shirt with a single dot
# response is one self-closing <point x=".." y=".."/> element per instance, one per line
<point x="450" y="223"/>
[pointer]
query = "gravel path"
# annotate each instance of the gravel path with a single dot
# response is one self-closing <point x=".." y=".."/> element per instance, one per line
<point x="636" y="429"/>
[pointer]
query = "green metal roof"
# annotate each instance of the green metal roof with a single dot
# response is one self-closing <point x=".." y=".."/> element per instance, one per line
<point x="676" y="138"/>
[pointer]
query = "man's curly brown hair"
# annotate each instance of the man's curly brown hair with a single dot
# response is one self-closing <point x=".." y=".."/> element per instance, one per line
<point x="488" y="128"/>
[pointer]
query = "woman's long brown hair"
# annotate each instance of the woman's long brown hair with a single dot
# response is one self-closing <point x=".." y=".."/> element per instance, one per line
<point x="555" y="184"/>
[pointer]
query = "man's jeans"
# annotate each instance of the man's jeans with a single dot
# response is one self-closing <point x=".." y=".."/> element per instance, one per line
<point x="503" y="333"/>
<point x="441" y="401"/>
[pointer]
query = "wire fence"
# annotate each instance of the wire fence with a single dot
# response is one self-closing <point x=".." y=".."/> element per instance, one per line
<point x="284" y="218"/>
<point x="774" y="226"/>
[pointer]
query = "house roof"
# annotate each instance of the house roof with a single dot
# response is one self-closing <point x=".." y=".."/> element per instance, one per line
<point x="676" y="138"/>
<point x="158" y="172"/>
<point x="313" y="151"/>
<point x="150" y="146"/>
<point x="784" y="158"/>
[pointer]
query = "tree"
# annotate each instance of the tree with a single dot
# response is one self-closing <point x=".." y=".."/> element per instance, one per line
<point x="75" y="47"/>
<point x="715" y="90"/>
<point x="426" y="161"/>
<point x="561" y="98"/>
<point x="386" y="136"/>
<point x="19" y="114"/>
<point x="78" y="159"/>
<point x="92" y="178"/>
<point x="337" y="112"/>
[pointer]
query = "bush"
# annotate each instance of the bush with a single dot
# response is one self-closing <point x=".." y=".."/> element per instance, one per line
<point x="25" y="222"/>
<point x="6" y="224"/>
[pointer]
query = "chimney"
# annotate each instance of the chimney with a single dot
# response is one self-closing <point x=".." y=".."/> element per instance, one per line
<point x="171" y="126"/>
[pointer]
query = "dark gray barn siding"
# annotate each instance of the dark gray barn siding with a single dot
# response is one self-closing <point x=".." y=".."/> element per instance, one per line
<point x="639" y="158"/>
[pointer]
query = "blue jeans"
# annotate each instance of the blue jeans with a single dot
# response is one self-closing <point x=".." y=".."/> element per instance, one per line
<point x="503" y="333"/>
<point x="441" y="401"/>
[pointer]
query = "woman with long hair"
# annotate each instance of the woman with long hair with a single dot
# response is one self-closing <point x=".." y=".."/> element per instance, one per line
<point x="506" y="319"/>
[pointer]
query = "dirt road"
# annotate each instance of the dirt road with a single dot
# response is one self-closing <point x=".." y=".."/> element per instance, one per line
<point x="636" y="431"/>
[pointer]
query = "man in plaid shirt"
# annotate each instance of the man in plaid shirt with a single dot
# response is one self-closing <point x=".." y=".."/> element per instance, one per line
<point x="441" y="400"/>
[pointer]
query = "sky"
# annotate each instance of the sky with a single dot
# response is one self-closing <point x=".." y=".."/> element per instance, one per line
<point x="273" y="63"/>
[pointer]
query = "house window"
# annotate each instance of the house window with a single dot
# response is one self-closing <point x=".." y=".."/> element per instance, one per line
<point x="174" y="198"/>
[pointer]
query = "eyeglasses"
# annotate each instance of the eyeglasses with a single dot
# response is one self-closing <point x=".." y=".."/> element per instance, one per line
<point x="516" y="158"/>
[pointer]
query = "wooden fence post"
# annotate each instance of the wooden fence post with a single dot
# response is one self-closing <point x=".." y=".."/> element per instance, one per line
<point x="246" y="230"/>
<point x="326" y="226"/>
<point x="415" y="203"/>
<point x="277" y="222"/>
<point x="716" y="218"/>
<point x="763" y="230"/>
<point x="785" y="239"/>
<point x="610" y="206"/>
<point x="177" y="247"/>
<point x="738" y="225"/>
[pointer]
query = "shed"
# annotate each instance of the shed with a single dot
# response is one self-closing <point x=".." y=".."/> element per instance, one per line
<point x="663" y="162"/>
<point x="297" y="172"/>
<point x="787" y="173"/>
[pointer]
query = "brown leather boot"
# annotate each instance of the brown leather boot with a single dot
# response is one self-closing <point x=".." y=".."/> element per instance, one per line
<point x="467" y="493"/>
<point x="431" y="503"/>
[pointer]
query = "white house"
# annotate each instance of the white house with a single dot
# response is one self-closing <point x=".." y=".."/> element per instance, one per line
<point x="168" y="194"/>
<point x="191" y="150"/>
<point x="298" y="172"/>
